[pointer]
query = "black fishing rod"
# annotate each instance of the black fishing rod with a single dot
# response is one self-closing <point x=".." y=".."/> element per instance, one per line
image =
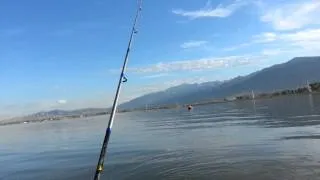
<point x="122" y="79"/>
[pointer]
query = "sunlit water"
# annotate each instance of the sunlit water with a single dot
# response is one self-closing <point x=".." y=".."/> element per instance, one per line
<point x="261" y="140"/>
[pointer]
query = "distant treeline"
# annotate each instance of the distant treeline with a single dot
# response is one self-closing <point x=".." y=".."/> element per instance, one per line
<point x="313" y="87"/>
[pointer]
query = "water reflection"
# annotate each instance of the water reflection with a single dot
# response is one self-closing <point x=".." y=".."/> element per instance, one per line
<point x="311" y="102"/>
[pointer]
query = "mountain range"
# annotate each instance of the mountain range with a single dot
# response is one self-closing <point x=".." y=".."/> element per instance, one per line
<point x="56" y="115"/>
<point x="290" y="75"/>
<point x="63" y="113"/>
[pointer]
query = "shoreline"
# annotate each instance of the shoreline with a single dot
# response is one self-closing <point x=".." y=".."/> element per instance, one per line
<point x="312" y="89"/>
<point x="152" y="109"/>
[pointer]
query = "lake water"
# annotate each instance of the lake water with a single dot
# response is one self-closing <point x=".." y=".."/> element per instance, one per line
<point x="262" y="140"/>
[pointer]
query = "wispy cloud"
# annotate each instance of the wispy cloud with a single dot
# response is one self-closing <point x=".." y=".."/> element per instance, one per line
<point x="265" y="37"/>
<point x="190" y="80"/>
<point x="306" y="42"/>
<point x="306" y="39"/>
<point x="292" y="22"/>
<point x="62" y="101"/>
<point x="219" y="11"/>
<point x="302" y="36"/>
<point x="155" y="76"/>
<point x="193" y="44"/>
<point x="293" y="16"/>
<point x="197" y="64"/>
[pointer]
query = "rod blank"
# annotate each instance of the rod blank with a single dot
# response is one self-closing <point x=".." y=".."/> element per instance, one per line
<point x="122" y="79"/>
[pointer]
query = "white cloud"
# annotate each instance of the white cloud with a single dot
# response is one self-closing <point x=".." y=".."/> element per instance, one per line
<point x="302" y="36"/>
<point x="197" y="64"/>
<point x="293" y="16"/>
<point x="208" y="11"/>
<point x="190" y="80"/>
<point x="306" y="39"/>
<point x="193" y="44"/>
<point x="155" y="76"/>
<point x="264" y="37"/>
<point x="62" y="101"/>
<point x="304" y="42"/>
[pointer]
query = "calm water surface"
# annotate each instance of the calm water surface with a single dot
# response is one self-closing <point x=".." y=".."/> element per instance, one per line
<point x="261" y="140"/>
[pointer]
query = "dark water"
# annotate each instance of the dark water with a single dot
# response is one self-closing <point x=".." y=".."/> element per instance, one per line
<point x="262" y="140"/>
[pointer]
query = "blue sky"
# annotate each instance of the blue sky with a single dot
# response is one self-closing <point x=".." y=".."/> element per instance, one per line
<point x="67" y="54"/>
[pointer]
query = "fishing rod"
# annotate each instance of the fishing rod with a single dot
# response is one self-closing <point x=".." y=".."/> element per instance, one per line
<point x="122" y="79"/>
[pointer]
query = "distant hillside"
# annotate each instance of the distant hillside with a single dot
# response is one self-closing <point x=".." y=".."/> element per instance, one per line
<point x="56" y="114"/>
<point x="288" y="75"/>
<point x="78" y="112"/>
<point x="169" y="96"/>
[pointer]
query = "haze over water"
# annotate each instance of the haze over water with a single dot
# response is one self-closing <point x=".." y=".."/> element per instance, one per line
<point x="263" y="140"/>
